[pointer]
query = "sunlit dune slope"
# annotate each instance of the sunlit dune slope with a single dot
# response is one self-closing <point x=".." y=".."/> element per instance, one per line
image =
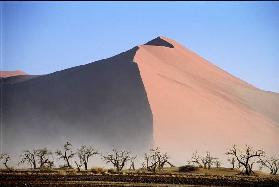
<point x="198" y="106"/>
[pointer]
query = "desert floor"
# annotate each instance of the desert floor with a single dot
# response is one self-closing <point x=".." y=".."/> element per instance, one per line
<point x="167" y="177"/>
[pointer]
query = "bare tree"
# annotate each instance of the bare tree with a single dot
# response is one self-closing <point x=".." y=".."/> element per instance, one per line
<point x="43" y="158"/>
<point x="155" y="160"/>
<point x="217" y="163"/>
<point x="5" y="158"/>
<point x="84" y="153"/>
<point x="246" y="158"/>
<point x="196" y="159"/>
<point x="118" y="158"/>
<point x="271" y="163"/>
<point x="78" y="164"/>
<point x="232" y="161"/>
<point x="66" y="154"/>
<point x="132" y="160"/>
<point x="206" y="161"/>
<point x="29" y="157"/>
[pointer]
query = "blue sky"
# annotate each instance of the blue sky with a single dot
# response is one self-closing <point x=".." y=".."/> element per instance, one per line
<point x="240" y="37"/>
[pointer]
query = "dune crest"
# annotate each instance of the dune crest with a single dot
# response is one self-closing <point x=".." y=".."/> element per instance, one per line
<point x="160" y="41"/>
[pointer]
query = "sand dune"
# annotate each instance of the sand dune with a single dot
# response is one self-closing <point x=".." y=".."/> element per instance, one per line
<point x="5" y="74"/>
<point x="159" y="92"/>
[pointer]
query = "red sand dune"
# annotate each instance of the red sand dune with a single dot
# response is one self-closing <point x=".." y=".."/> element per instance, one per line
<point x="198" y="106"/>
<point x="5" y="74"/>
<point x="160" y="91"/>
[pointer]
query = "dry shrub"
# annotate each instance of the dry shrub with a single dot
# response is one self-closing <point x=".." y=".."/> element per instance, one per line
<point x="46" y="170"/>
<point x="113" y="171"/>
<point x="187" y="168"/>
<point x="98" y="170"/>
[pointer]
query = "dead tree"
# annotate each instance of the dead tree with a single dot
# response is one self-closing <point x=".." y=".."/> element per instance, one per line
<point x="44" y="160"/>
<point x="217" y="163"/>
<point x="29" y="157"/>
<point x="78" y="164"/>
<point x="66" y="154"/>
<point x="246" y="158"/>
<point x="84" y="153"/>
<point x="164" y="160"/>
<point x="146" y="163"/>
<point x="271" y="163"/>
<point x="155" y="160"/>
<point x="196" y="159"/>
<point x="206" y="161"/>
<point x="232" y="161"/>
<point x="118" y="158"/>
<point x="5" y="158"/>
<point x="132" y="160"/>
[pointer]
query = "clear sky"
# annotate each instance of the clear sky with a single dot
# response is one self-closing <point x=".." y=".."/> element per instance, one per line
<point x="240" y="37"/>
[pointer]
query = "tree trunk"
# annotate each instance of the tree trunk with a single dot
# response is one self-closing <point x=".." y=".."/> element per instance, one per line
<point x="248" y="170"/>
<point x="34" y="165"/>
<point x="68" y="163"/>
<point x="5" y="164"/>
<point x="85" y="165"/>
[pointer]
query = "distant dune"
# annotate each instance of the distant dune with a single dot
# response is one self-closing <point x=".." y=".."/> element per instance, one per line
<point x="5" y="74"/>
<point x="158" y="93"/>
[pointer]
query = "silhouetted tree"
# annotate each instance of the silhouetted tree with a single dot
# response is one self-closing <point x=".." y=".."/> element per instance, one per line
<point x="246" y="158"/>
<point x="66" y="154"/>
<point x="84" y="153"/>
<point x="43" y="158"/>
<point x="118" y="158"/>
<point x="271" y="163"/>
<point x="155" y="160"/>
<point x="29" y="157"/>
<point x="5" y="158"/>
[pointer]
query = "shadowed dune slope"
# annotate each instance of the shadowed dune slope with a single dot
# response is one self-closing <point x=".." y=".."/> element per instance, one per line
<point x="102" y="103"/>
<point x="198" y="106"/>
<point x="17" y="79"/>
